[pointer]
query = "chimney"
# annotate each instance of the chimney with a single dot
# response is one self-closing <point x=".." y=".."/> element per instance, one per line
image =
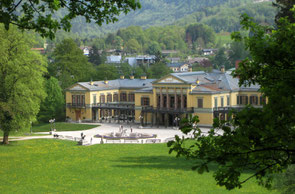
<point x="143" y="77"/>
<point x="91" y="82"/>
<point x="122" y="76"/>
<point x="106" y="81"/>
<point x="131" y="76"/>
<point x="222" y="69"/>
<point x="198" y="81"/>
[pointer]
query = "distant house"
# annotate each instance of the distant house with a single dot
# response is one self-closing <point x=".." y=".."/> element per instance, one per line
<point x="200" y="61"/>
<point x="145" y="59"/>
<point x="140" y="60"/>
<point x="85" y="49"/>
<point x="179" y="67"/>
<point x="131" y="61"/>
<point x="208" y="51"/>
<point x="114" y="59"/>
<point x="114" y="52"/>
<point x="173" y="59"/>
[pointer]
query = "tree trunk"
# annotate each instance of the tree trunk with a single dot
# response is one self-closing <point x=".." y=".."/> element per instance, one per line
<point x="5" y="138"/>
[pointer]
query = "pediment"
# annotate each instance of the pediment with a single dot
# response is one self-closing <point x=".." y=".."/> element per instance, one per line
<point x="169" y="79"/>
<point x="77" y="88"/>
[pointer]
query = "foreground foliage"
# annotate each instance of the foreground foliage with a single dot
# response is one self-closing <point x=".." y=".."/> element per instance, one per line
<point x="55" y="166"/>
<point x="258" y="139"/>
<point x="39" y="15"/>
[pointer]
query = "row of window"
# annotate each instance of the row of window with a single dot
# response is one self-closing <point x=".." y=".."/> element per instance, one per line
<point x="241" y="100"/>
<point x="145" y="101"/>
<point x="114" y="98"/>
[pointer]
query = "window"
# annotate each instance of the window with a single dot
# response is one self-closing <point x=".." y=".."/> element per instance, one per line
<point x="131" y="97"/>
<point x="242" y="100"/>
<point x="253" y="100"/>
<point x="221" y="102"/>
<point x="109" y="98"/>
<point x="215" y="102"/>
<point x="123" y="97"/>
<point x="145" y="101"/>
<point x="227" y="100"/>
<point x="200" y="102"/>
<point x="102" y="98"/>
<point x="94" y="98"/>
<point x="83" y="99"/>
<point x="115" y="97"/>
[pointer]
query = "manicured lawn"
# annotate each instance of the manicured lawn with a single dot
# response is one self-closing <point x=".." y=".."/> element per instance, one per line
<point x="60" y="126"/>
<point x="56" y="166"/>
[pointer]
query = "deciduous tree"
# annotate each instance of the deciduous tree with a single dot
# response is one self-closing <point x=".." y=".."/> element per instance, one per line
<point x="21" y="81"/>
<point x="69" y="64"/>
<point x="53" y="105"/>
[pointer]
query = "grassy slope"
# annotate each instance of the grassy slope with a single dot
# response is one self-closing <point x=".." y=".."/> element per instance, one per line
<point x="56" y="166"/>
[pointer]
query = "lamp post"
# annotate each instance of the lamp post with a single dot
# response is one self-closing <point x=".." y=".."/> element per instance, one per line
<point x="51" y="121"/>
<point x="54" y="125"/>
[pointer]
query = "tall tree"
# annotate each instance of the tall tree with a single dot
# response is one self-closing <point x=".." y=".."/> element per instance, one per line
<point x="38" y="15"/>
<point x="53" y="105"/>
<point x="132" y="46"/>
<point x="159" y="70"/>
<point x="197" y="33"/>
<point x="238" y="51"/>
<point x="106" y="71"/>
<point x="21" y="81"/>
<point x="69" y="64"/>
<point x="153" y="48"/>
<point x="221" y="59"/>
<point x="256" y="139"/>
<point x="94" y="57"/>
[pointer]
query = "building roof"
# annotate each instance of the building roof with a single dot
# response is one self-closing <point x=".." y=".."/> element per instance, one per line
<point x="175" y="64"/>
<point x="214" y="82"/>
<point x="114" y="84"/>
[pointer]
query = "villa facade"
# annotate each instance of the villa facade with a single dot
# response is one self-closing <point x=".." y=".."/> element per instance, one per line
<point x="160" y="102"/>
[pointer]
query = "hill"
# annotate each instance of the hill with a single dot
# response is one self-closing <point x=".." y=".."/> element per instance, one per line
<point x="222" y="15"/>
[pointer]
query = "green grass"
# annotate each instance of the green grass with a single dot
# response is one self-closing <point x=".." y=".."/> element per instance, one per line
<point x="45" y="127"/>
<point x="56" y="166"/>
<point x="224" y="38"/>
<point x="60" y="126"/>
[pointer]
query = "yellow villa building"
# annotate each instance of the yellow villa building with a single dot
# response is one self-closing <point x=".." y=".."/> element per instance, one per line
<point x="160" y="102"/>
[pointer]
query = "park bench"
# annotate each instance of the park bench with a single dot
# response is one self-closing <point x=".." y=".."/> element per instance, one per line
<point x="130" y="141"/>
<point x="113" y="140"/>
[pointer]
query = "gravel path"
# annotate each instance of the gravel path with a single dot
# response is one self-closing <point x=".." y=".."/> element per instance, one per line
<point x="163" y="134"/>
